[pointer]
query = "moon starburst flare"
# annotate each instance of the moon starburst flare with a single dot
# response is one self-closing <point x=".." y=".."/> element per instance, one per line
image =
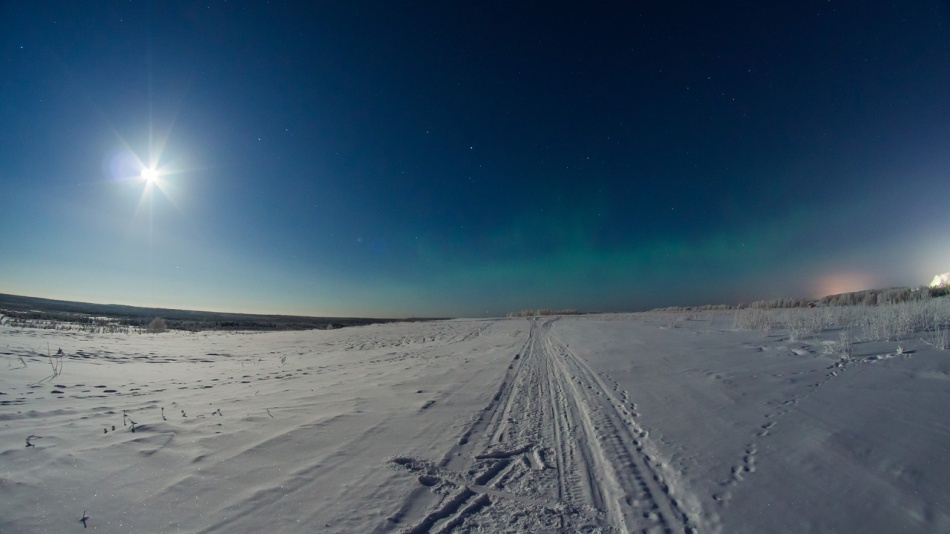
<point x="150" y="175"/>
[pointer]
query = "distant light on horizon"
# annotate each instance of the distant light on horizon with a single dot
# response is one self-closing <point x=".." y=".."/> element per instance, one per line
<point x="847" y="282"/>
<point x="941" y="280"/>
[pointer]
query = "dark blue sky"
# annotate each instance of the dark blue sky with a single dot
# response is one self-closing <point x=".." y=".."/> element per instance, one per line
<point x="442" y="158"/>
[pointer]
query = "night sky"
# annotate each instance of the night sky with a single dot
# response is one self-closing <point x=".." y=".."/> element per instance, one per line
<point x="467" y="159"/>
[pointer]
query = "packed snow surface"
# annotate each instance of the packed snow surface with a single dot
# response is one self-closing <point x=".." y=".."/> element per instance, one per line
<point x="611" y="423"/>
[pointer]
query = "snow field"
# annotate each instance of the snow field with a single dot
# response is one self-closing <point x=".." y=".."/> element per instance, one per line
<point x="610" y="423"/>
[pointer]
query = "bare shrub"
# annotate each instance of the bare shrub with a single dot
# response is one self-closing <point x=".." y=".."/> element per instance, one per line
<point x="157" y="326"/>
<point x="846" y="343"/>
<point x="755" y="319"/>
<point x="802" y="323"/>
<point x="939" y="338"/>
<point x="894" y="322"/>
<point x="937" y="331"/>
<point x="882" y="323"/>
<point x="895" y="314"/>
<point x="56" y="364"/>
<point x="542" y="312"/>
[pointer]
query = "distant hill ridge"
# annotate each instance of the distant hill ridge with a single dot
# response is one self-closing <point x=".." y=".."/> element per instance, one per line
<point x="41" y="309"/>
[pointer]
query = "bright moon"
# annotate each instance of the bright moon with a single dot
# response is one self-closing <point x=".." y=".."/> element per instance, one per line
<point x="149" y="175"/>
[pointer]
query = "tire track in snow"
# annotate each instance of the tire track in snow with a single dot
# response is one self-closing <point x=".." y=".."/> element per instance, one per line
<point x="637" y="489"/>
<point x="555" y="449"/>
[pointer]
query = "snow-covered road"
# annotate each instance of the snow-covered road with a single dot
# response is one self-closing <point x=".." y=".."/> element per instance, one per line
<point x="555" y="449"/>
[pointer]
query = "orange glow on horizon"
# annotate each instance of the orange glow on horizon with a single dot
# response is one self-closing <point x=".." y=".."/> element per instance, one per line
<point x="847" y="282"/>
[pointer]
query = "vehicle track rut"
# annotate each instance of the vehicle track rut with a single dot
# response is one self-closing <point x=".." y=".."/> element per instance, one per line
<point x="556" y="449"/>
